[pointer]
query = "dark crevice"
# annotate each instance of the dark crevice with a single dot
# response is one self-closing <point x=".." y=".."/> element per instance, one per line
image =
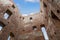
<point x="44" y="4"/>
<point x="23" y="18"/>
<point x="2" y="24"/>
<point x="58" y="11"/>
<point x="11" y="34"/>
<point x="23" y="30"/>
<point x="13" y="6"/>
<point x="52" y="0"/>
<point x="41" y="11"/>
<point x="30" y="18"/>
<point x="42" y="25"/>
<point x="54" y="16"/>
<point x="54" y="32"/>
<point x="9" y="12"/>
<point x="34" y="27"/>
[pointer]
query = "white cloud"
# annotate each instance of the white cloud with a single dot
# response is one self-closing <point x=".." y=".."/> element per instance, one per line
<point x="24" y="14"/>
<point x="31" y="13"/>
<point x="28" y="14"/>
<point x="32" y="0"/>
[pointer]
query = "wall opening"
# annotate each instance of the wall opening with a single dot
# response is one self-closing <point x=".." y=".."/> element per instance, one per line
<point x="52" y="0"/>
<point x="11" y="36"/>
<point x="54" y="16"/>
<point x="7" y="14"/>
<point x="44" y="33"/>
<point x="44" y="4"/>
<point x="13" y="6"/>
<point x="34" y="28"/>
<point x="58" y="11"/>
<point x="1" y="26"/>
<point x="23" y="18"/>
<point x="30" y="18"/>
<point x="55" y="33"/>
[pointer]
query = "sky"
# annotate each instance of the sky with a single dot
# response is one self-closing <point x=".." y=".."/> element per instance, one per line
<point x="28" y="6"/>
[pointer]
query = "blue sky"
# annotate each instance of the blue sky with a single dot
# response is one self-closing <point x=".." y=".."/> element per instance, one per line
<point x="28" y="6"/>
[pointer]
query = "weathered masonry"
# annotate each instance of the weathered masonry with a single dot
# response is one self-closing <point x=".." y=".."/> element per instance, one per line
<point x="14" y="26"/>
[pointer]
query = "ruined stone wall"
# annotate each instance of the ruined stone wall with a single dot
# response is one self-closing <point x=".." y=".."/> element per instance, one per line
<point x="12" y="23"/>
<point x="52" y="9"/>
<point x="20" y="27"/>
<point x="32" y="27"/>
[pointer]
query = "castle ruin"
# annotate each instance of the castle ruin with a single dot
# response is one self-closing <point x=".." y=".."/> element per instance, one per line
<point x="20" y="27"/>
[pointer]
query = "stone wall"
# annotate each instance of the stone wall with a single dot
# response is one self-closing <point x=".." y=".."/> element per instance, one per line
<point x="52" y="9"/>
<point x="20" y="27"/>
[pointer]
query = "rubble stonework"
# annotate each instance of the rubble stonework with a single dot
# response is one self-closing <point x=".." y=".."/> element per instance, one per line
<point x="20" y="27"/>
